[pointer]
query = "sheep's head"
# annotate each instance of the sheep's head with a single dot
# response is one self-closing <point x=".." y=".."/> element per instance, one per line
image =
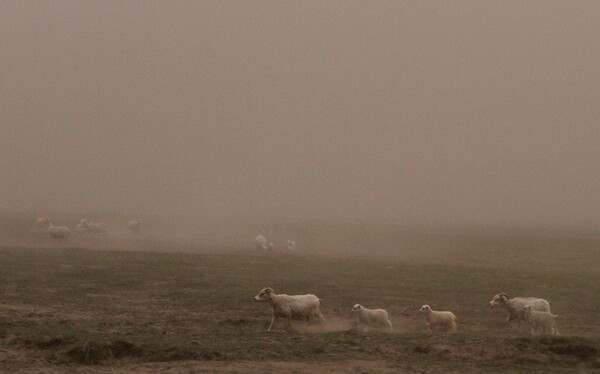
<point x="499" y="300"/>
<point x="264" y="295"/>
<point x="356" y="307"/>
<point x="527" y="309"/>
<point x="425" y="309"/>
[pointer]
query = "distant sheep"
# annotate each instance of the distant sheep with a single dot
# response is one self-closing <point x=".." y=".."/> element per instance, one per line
<point x="541" y="323"/>
<point x="261" y="245"/>
<point x="42" y="224"/>
<point x="291" y="307"/>
<point x="58" y="232"/>
<point x="290" y="246"/>
<point x="94" y="227"/>
<point x="434" y="318"/>
<point x="372" y="317"/>
<point x="515" y="305"/>
<point x="134" y="226"/>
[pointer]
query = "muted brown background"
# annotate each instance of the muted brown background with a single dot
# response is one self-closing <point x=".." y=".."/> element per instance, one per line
<point x="458" y="112"/>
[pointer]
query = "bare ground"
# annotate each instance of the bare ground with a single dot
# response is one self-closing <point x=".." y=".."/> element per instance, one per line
<point x="124" y="306"/>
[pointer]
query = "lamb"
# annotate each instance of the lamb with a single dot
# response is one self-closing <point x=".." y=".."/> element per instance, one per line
<point x="438" y="319"/>
<point x="515" y="305"/>
<point x="374" y="317"/>
<point x="540" y="322"/>
<point x="58" y="232"/>
<point x="291" y="307"/>
<point x="134" y="226"/>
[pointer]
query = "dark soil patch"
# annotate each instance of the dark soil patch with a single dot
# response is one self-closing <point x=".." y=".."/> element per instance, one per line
<point x="93" y="353"/>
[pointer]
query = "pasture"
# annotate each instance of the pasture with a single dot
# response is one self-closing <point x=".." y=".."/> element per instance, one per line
<point x="69" y="308"/>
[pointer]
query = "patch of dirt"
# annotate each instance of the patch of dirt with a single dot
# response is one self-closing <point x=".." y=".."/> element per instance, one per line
<point x="93" y="353"/>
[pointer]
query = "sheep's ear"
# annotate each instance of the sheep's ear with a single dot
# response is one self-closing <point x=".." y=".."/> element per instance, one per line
<point x="268" y="290"/>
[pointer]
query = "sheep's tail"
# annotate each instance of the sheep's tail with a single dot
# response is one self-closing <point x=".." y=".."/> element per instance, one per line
<point x="320" y="301"/>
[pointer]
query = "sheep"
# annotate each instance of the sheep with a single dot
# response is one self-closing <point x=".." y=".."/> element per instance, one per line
<point x="442" y="319"/>
<point x="93" y="227"/>
<point x="290" y="246"/>
<point x="540" y="322"/>
<point x="515" y="305"/>
<point x="134" y="226"/>
<point x="42" y="224"/>
<point x="261" y="245"/>
<point x="291" y="307"/>
<point x="58" y="232"/>
<point x="372" y="316"/>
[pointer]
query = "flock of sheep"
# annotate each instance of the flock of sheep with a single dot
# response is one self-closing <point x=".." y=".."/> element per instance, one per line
<point x="85" y="226"/>
<point x="261" y="245"/>
<point x="534" y="311"/>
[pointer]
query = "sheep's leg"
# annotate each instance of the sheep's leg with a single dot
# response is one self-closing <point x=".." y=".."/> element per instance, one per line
<point x="428" y="325"/>
<point x="389" y="326"/>
<point x="321" y="317"/>
<point x="453" y="327"/>
<point x="273" y="319"/>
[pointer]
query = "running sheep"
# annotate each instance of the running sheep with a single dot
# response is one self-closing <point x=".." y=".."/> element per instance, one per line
<point x="291" y="307"/>
<point x="434" y="318"/>
<point x="372" y="317"/>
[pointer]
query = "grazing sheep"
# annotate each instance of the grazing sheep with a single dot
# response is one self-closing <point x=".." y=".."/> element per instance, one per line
<point x="134" y="226"/>
<point x="438" y="319"/>
<point x="515" y="305"/>
<point x="374" y="317"/>
<point x="58" y="232"/>
<point x="542" y="323"/>
<point x="42" y="224"/>
<point x="291" y="307"/>
<point x="94" y="227"/>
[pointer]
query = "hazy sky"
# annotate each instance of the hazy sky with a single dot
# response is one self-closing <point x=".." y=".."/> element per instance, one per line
<point x="438" y="111"/>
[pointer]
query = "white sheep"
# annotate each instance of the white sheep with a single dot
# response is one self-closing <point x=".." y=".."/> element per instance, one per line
<point x="515" y="305"/>
<point x="134" y="226"/>
<point x="261" y="245"/>
<point x="290" y="246"/>
<point x="373" y="317"/>
<point x="94" y="227"/>
<point x="435" y="318"/>
<point x="42" y="224"/>
<point x="291" y="307"/>
<point x="540" y="322"/>
<point x="58" y="232"/>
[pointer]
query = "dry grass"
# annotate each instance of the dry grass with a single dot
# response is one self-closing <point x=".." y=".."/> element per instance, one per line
<point x="87" y="310"/>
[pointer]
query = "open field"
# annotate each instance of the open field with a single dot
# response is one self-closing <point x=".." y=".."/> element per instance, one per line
<point x="118" y="304"/>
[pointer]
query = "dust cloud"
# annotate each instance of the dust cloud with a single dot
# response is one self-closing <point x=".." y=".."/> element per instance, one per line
<point x="249" y="113"/>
